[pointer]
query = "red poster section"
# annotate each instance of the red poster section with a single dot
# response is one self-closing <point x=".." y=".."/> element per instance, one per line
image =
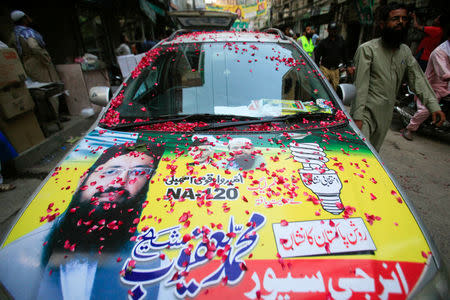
<point x="314" y="279"/>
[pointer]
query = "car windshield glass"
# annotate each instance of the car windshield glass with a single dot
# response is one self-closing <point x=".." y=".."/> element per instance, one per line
<point x="248" y="79"/>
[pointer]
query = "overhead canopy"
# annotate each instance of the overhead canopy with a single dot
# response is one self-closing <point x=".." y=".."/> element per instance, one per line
<point x="203" y="20"/>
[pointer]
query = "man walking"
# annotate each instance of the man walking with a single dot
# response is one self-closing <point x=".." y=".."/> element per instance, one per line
<point x="306" y="41"/>
<point x="380" y="67"/>
<point x="438" y="74"/>
<point x="330" y="53"/>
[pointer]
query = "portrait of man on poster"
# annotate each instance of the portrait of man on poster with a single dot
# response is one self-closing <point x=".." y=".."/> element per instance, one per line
<point x="81" y="250"/>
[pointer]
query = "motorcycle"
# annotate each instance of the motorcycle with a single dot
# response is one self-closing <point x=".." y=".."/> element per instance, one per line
<point x="344" y="77"/>
<point x="406" y="108"/>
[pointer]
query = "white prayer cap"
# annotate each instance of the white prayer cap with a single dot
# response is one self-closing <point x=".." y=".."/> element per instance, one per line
<point x="16" y="15"/>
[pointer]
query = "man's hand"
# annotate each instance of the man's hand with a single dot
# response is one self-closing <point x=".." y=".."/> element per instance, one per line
<point x="437" y="115"/>
<point x="359" y="123"/>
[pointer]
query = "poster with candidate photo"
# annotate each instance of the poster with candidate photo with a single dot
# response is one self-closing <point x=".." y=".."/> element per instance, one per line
<point x="248" y="216"/>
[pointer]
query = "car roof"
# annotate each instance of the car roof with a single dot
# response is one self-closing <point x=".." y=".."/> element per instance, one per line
<point x="224" y="36"/>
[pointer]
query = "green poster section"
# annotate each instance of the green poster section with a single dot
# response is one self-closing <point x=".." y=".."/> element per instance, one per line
<point x="340" y="140"/>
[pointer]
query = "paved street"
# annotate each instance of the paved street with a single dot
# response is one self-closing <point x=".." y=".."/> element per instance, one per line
<point x="422" y="167"/>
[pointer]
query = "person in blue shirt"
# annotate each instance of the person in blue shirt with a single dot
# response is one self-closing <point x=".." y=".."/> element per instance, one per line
<point x="315" y="38"/>
<point x="7" y="154"/>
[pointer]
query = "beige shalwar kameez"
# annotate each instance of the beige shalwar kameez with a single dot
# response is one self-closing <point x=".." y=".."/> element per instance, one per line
<point x="379" y="72"/>
<point x="36" y="60"/>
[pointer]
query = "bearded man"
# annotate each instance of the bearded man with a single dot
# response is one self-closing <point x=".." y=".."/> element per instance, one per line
<point x="201" y="152"/>
<point x="381" y="65"/>
<point x="86" y="247"/>
<point x="244" y="156"/>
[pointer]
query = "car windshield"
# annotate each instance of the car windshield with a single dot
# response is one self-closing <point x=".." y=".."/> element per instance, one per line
<point x="243" y="79"/>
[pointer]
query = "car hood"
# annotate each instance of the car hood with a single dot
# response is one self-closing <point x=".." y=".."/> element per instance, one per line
<point x="313" y="214"/>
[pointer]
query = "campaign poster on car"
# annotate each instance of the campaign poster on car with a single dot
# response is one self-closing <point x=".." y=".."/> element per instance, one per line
<point x="273" y="215"/>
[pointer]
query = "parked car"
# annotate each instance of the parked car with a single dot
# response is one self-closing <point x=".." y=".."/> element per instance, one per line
<point x="225" y="166"/>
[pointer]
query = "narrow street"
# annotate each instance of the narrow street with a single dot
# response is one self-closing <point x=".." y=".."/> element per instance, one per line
<point x="162" y="149"/>
<point x="421" y="167"/>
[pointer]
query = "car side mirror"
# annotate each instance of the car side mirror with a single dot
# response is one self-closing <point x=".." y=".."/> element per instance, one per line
<point x="100" y="95"/>
<point x="347" y="93"/>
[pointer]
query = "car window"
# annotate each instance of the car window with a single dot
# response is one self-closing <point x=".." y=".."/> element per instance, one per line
<point x="242" y="79"/>
<point x="147" y="84"/>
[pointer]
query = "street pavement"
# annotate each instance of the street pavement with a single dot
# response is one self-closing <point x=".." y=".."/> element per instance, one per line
<point x="421" y="167"/>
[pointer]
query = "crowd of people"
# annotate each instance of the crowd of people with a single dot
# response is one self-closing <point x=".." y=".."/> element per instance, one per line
<point x="381" y="65"/>
<point x="330" y="53"/>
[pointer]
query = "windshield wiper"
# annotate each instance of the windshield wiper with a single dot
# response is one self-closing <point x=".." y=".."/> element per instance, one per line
<point x="169" y="118"/>
<point x="262" y="120"/>
<point x="172" y="118"/>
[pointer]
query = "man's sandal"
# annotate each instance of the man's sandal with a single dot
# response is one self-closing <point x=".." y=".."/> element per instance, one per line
<point x="6" y="187"/>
